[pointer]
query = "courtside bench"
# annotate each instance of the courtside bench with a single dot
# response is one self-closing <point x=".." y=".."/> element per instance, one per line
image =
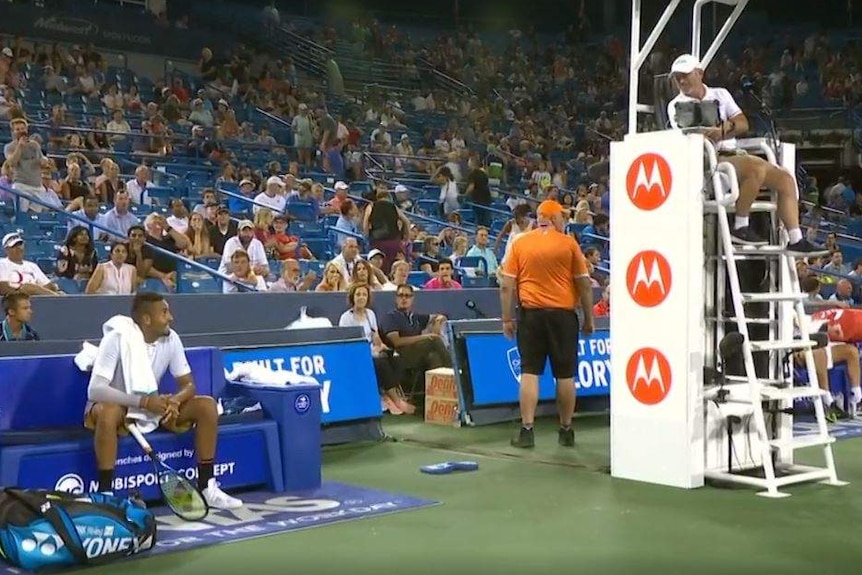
<point x="44" y="445"/>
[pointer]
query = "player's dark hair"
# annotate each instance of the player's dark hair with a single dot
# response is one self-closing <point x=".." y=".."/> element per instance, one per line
<point x="10" y="301"/>
<point x="142" y="303"/>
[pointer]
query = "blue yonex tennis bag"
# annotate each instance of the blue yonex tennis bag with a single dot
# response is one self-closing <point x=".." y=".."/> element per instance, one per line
<point x="40" y="528"/>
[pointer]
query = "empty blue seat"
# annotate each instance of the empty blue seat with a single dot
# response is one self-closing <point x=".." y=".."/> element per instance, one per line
<point x="207" y="284"/>
<point x="319" y="247"/>
<point x="303" y="211"/>
<point x="417" y="279"/>
<point x="69" y="286"/>
<point x="153" y="285"/>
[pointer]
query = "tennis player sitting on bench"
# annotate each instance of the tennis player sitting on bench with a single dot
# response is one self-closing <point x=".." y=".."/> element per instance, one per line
<point x="109" y="402"/>
<point x="752" y="172"/>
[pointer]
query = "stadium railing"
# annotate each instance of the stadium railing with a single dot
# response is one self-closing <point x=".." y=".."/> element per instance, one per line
<point x="187" y="262"/>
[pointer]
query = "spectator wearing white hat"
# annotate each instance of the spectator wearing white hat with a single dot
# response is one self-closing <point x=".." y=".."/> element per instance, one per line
<point x="18" y="274"/>
<point x="246" y="190"/>
<point x="272" y="197"/>
<point x="376" y="258"/>
<point x="245" y="240"/>
<point x="334" y="205"/>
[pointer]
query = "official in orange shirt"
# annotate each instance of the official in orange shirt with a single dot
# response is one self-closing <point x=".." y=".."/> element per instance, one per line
<point x="549" y="273"/>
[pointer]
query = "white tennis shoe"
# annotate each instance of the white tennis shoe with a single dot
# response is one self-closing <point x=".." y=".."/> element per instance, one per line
<point x="218" y="499"/>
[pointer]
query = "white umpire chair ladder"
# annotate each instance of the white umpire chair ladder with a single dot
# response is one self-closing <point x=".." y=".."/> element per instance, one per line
<point x="771" y="466"/>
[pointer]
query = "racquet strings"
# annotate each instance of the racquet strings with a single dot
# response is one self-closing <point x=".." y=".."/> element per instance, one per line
<point x="181" y="496"/>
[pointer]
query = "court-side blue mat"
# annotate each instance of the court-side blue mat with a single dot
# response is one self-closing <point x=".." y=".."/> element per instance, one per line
<point x="267" y="513"/>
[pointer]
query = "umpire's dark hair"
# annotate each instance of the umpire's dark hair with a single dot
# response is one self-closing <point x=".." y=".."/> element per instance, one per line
<point x="10" y="300"/>
<point x="142" y="302"/>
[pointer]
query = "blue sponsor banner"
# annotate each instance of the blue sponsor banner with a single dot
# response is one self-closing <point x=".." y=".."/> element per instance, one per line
<point x="240" y="462"/>
<point x="495" y="368"/>
<point x="344" y="370"/>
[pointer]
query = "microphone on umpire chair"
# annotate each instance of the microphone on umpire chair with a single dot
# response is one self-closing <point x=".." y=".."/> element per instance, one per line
<point x="730" y="346"/>
<point x="729" y="349"/>
<point x="471" y="305"/>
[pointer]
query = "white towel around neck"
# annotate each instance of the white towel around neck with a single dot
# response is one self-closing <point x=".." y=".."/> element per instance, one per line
<point x="138" y="375"/>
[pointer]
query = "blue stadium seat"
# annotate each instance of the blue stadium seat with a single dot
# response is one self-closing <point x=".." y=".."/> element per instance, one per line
<point x="417" y="279"/>
<point x="153" y="285"/>
<point x="303" y="211"/>
<point x="471" y="263"/>
<point x="319" y="247"/>
<point x="46" y="265"/>
<point x="69" y="286"/>
<point x="199" y="285"/>
<point x="316" y="266"/>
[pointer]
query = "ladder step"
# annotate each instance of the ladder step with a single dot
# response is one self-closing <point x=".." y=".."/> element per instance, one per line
<point x="790" y="393"/>
<point x="748" y="320"/>
<point x="763" y="251"/>
<point x="802" y="442"/>
<point x="762" y="381"/>
<point x="772" y="297"/>
<point x="776" y="345"/>
<point x="711" y="207"/>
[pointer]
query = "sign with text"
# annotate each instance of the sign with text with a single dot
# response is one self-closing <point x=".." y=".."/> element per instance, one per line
<point x="238" y="464"/>
<point x="495" y="368"/>
<point x="344" y="370"/>
<point x="658" y="322"/>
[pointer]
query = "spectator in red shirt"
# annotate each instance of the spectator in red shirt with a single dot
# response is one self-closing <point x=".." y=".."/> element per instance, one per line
<point x="286" y="246"/>
<point x="444" y="277"/>
<point x="603" y="307"/>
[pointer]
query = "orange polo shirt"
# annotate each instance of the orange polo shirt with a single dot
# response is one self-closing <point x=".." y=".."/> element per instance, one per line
<point x="545" y="263"/>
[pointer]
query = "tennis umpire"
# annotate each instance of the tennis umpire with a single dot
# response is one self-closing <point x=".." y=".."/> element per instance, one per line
<point x="548" y="270"/>
<point x="108" y="403"/>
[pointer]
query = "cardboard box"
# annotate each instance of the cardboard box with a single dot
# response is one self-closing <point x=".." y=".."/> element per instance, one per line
<point x="442" y="405"/>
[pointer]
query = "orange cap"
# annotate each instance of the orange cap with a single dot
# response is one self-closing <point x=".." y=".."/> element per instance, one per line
<point x="549" y="209"/>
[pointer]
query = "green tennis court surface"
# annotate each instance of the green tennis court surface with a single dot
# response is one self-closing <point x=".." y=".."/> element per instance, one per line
<point x="544" y="511"/>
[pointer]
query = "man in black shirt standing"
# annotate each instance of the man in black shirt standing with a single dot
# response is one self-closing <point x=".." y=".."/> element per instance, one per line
<point x="478" y="191"/>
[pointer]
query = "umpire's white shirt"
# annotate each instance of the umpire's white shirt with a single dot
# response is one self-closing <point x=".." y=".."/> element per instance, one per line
<point x="727" y="109"/>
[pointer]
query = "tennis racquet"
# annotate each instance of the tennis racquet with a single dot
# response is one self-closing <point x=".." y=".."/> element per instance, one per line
<point x="179" y="493"/>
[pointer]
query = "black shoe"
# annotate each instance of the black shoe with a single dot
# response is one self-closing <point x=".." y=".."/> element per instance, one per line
<point x="566" y="437"/>
<point x="525" y="439"/>
<point x="805" y="248"/>
<point x="746" y="237"/>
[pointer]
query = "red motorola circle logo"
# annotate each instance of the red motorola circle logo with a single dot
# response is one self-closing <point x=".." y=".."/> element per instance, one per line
<point x="649" y="278"/>
<point x="648" y="376"/>
<point x="649" y="181"/>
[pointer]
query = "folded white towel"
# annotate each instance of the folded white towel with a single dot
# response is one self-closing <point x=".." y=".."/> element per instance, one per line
<point x="252" y="372"/>
<point x="137" y="370"/>
<point x="307" y="322"/>
<point x="87" y="356"/>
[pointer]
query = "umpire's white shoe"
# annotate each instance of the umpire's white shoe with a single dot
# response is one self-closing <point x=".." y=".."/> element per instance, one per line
<point x="218" y="499"/>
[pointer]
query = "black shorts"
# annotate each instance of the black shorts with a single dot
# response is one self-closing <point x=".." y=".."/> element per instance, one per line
<point x="548" y="333"/>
